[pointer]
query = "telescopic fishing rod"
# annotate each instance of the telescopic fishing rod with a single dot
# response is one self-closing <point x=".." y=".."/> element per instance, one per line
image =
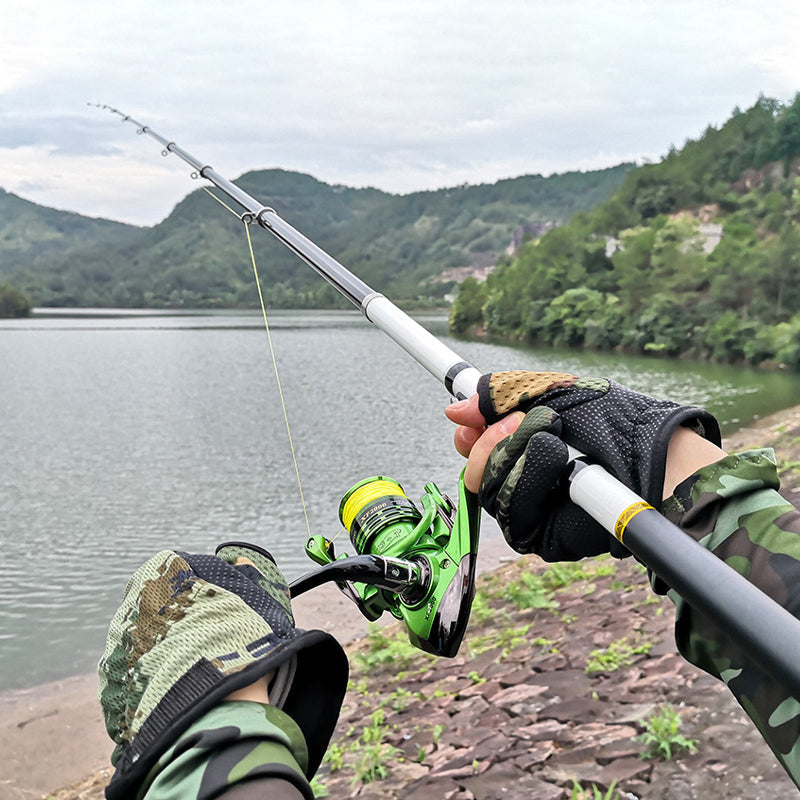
<point x="765" y="630"/>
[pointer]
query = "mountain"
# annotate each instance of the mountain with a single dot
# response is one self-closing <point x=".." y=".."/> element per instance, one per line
<point x="31" y="234"/>
<point x="403" y="245"/>
<point x="697" y="255"/>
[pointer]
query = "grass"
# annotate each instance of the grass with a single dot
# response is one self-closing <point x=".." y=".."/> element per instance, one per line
<point x="618" y="654"/>
<point x="530" y="591"/>
<point x="392" y="648"/>
<point x="662" y="734"/>
<point x="579" y="793"/>
<point x="791" y="468"/>
<point x="373" y="754"/>
<point x="400" y="699"/>
<point x="506" y="638"/>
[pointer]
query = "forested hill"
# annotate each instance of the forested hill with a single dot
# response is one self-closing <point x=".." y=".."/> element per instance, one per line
<point x="697" y="255"/>
<point x="30" y="233"/>
<point x="405" y="245"/>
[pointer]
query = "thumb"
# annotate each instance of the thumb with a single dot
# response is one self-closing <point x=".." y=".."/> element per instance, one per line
<point x="481" y="450"/>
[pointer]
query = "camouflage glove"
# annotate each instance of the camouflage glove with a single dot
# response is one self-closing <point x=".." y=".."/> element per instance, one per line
<point x="191" y="630"/>
<point x="624" y="431"/>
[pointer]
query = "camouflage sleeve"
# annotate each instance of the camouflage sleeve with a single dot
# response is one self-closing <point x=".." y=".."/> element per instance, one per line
<point x="733" y="509"/>
<point x="234" y="742"/>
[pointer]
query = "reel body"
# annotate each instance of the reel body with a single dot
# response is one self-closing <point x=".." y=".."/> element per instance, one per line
<point x="419" y="565"/>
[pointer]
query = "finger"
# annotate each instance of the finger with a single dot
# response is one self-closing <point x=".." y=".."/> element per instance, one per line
<point x="465" y="438"/>
<point x="481" y="449"/>
<point x="465" y="412"/>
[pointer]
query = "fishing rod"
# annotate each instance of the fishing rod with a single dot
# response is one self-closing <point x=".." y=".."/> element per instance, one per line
<point x="430" y="556"/>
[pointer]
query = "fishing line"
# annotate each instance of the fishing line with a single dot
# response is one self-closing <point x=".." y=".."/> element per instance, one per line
<point x="272" y="354"/>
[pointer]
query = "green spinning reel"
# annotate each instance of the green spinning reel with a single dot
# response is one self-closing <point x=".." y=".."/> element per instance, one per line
<point x="418" y="565"/>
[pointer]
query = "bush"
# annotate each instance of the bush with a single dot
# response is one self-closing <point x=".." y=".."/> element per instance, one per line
<point x="467" y="309"/>
<point x="579" y="317"/>
<point x="726" y="338"/>
<point x="13" y="302"/>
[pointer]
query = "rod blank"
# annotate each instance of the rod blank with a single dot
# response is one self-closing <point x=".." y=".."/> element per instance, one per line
<point x="713" y="588"/>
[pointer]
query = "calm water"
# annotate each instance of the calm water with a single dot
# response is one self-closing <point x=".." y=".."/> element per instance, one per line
<point x="124" y="435"/>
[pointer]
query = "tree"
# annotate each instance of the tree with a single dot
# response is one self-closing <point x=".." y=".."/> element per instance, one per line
<point x="468" y="306"/>
<point x="788" y="130"/>
<point x="13" y="302"/>
<point x="580" y="316"/>
<point x="633" y="265"/>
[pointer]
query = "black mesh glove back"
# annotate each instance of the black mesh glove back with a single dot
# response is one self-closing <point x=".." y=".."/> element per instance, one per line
<point x="626" y="432"/>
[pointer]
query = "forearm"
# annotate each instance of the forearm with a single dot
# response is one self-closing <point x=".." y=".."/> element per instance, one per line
<point x="687" y="453"/>
<point x="236" y="744"/>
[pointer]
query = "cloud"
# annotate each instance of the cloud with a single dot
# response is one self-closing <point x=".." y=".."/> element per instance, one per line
<point x="400" y="96"/>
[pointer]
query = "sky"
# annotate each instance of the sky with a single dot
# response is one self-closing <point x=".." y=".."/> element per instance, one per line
<point x="401" y="96"/>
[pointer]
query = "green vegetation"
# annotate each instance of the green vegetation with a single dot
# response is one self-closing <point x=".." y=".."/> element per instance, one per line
<point x="14" y="303"/>
<point x="383" y="648"/>
<point x="594" y="793"/>
<point x="373" y="754"/>
<point x="698" y="255"/>
<point x="617" y="655"/>
<point x="530" y="591"/>
<point x="662" y="734"/>
<point x="370" y="755"/>
<point x="198" y="257"/>
<point x="395" y="724"/>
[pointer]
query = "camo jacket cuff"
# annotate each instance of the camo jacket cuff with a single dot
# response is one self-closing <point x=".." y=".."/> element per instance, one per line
<point x="234" y="742"/>
<point x="733" y="476"/>
<point x="733" y="508"/>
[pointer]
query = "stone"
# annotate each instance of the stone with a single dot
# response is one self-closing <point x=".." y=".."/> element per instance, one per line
<point x="563" y="682"/>
<point x="624" y="748"/>
<point x="494" y="783"/>
<point x="465" y="737"/>
<point x="539" y="720"/>
<point x="486" y="690"/>
<point x="546" y="729"/>
<point x="534" y="755"/>
<point x="519" y="700"/>
<point x="467" y="712"/>
<point x="578" y="709"/>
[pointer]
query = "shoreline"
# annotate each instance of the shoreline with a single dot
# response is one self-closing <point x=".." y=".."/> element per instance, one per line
<point x="62" y="718"/>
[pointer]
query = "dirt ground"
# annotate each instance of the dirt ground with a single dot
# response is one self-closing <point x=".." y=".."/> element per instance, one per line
<point x="54" y="744"/>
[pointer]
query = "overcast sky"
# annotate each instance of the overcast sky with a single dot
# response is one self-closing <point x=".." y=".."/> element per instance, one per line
<point x="397" y="95"/>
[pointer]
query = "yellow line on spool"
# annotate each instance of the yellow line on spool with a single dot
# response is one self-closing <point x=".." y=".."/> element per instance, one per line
<point x="363" y="495"/>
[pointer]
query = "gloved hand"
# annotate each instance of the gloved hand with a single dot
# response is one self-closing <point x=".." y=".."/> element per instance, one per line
<point x="624" y="431"/>
<point x="194" y="628"/>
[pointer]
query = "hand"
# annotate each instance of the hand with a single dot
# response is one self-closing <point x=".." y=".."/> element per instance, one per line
<point x="520" y="481"/>
<point x="194" y="630"/>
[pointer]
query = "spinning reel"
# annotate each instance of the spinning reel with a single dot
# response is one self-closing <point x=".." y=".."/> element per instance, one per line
<point x="418" y="565"/>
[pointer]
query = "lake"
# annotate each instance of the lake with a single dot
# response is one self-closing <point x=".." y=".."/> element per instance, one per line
<point x="125" y="434"/>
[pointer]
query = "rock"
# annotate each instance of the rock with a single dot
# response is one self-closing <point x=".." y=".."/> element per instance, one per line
<point x="495" y="783"/>
<point x="520" y="700"/>
<point x="487" y="690"/>
<point x="547" y="729"/>
<point x="578" y="709"/>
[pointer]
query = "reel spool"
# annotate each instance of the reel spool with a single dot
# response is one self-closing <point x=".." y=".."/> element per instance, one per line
<point x="418" y="565"/>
